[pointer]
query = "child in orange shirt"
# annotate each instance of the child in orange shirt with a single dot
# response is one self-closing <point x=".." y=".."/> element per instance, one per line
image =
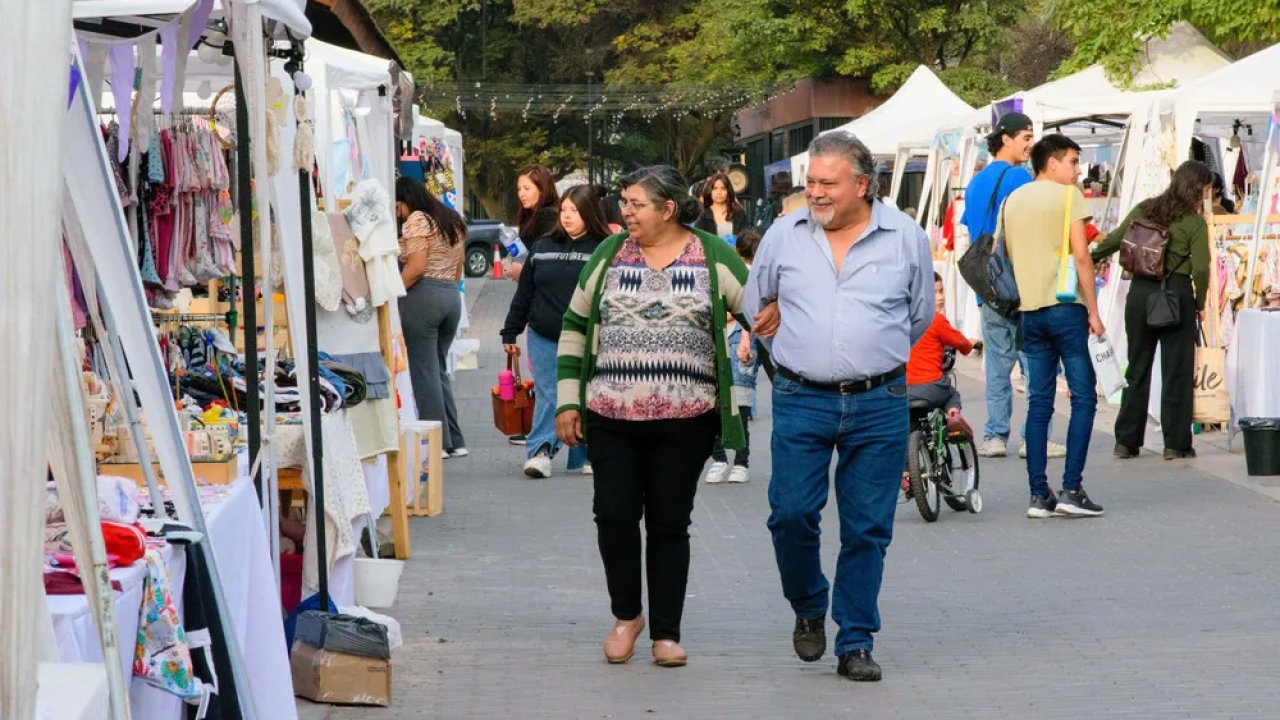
<point x="925" y="378"/>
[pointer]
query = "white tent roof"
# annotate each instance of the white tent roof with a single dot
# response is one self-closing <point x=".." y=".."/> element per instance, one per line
<point x="1248" y="85"/>
<point x="922" y="99"/>
<point x="916" y="109"/>
<point x="290" y="12"/>
<point x="1184" y="56"/>
<point x="1245" y="90"/>
<point x="346" y="69"/>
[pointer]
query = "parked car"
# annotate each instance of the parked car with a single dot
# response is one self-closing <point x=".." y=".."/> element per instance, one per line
<point x="482" y="235"/>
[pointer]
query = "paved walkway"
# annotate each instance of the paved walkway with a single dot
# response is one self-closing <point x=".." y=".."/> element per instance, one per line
<point x="1165" y="608"/>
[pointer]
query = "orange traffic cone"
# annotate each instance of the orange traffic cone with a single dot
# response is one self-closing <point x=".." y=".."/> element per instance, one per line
<point x="497" y="263"/>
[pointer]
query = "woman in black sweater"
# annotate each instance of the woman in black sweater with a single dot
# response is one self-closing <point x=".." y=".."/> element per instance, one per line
<point x="546" y="285"/>
<point x="721" y="213"/>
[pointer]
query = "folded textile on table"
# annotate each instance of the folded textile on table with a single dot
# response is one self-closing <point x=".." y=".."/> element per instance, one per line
<point x="377" y="379"/>
<point x="65" y="582"/>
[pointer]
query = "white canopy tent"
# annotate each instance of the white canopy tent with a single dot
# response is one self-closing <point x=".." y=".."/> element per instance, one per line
<point x="290" y="12"/>
<point x="1211" y="105"/>
<point x="346" y="81"/>
<point x="1085" y="105"/>
<point x="917" y="108"/>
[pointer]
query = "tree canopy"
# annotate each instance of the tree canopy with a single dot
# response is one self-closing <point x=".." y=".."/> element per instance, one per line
<point x="982" y="49"/>
<point x="1110" y="32"/>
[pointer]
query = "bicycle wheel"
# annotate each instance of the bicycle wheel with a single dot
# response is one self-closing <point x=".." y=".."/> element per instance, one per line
<point x="962" y="462"/>
<point x="924" y="486"/>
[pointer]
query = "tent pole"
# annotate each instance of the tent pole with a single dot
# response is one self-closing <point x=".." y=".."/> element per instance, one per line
<point x="113" y="256"/>
<point x="124" y="386"/>
<point x="249" y="286"/>
<point x="313" y="386"/>
<point x="1265" y="188"/>
<point x="82" y="475"/>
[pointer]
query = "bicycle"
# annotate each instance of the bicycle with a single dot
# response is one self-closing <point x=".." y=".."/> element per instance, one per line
<point x="942" y="464"/>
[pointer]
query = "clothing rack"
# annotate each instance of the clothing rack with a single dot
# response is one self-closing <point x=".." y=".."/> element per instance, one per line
<point x="156" y="111"/>
<point x="163" y="316"/>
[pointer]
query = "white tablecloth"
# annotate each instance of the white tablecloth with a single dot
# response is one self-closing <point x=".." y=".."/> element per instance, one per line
<point x="1253" y="365"/>
<point x="252" y="597"/>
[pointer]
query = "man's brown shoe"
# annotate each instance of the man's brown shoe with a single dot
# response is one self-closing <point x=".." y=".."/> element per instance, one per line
<point x="668" y="653"/>
<point x="620" y="644"/>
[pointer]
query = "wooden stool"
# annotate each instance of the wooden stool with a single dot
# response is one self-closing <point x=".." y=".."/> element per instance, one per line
<point x="413" y="454"/>
<point x="292" y="493"/>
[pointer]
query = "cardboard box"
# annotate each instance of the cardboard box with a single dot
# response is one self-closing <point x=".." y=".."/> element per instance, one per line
<point x="224" y="472"/>
<point x="338" y="678"/>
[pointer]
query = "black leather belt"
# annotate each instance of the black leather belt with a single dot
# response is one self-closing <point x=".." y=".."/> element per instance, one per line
<point x="845" y="387"/>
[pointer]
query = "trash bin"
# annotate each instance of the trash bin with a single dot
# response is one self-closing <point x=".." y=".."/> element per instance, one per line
<point x="1261" y="445"/>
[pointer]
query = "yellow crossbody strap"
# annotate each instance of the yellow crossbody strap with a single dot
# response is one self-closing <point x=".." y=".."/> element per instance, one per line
<point x="1066" y="223"/>
<point x="1068" y="279"/>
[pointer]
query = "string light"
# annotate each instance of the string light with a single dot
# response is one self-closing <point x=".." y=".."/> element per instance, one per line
<point x="645" y="101"/>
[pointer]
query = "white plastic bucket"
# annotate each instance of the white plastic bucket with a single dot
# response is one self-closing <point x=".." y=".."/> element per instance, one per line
<point x="377" y="581"/>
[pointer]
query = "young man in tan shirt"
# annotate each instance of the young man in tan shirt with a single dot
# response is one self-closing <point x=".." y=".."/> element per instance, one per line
<point x="1034" y="219"/>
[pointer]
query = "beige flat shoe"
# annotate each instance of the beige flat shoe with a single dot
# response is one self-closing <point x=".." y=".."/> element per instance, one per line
<point x="668" y="653"/>
<point x="620" y="643"/>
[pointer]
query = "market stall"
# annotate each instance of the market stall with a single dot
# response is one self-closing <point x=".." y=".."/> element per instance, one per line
<point x="918" y="107"/>
<point x="191" y="149"/>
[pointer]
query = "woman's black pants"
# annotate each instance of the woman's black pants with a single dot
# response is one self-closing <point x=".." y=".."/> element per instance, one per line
<point x="1177" y="362"/>
<point x="649" y="470"/>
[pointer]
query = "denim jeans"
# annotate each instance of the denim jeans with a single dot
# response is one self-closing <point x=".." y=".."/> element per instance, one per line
<point x="1058" y="333"/>
<point x="744" y="374"/>
<point x="868" y="432"/>
<point x="542" y="358"/>
<point x="1002" y="340"/>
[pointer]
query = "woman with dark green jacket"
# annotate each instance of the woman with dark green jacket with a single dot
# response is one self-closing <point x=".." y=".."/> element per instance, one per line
<point x="1187" y="275"/>
<point x="644" y="375"/>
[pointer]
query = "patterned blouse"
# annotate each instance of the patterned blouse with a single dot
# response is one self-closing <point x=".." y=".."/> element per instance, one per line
<point x="420" y="233"/>
<point x="657" y="355"/>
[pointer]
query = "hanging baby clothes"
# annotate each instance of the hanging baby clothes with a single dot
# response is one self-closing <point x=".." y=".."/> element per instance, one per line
<point x="162" y="657"/>
<point x="372" y="223"/>
<point x="188" y="223"/>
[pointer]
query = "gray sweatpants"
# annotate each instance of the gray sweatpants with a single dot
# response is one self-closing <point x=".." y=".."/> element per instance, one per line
<point x="429" y="317"/>
<point x="940" y="393"/>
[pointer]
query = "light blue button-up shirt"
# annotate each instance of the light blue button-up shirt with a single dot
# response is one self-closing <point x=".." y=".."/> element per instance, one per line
<point x="858" y="324"/>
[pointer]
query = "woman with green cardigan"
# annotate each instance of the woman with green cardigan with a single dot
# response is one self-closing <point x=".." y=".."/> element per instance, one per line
<point x="1187" y="275"/>
<point x="644" y="375"/>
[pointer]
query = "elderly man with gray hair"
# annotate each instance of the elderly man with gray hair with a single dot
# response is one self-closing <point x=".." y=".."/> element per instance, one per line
<point x="844" y="289"/>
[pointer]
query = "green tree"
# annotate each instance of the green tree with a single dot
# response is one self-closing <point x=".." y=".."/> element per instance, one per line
<point x="1110" y="32"/>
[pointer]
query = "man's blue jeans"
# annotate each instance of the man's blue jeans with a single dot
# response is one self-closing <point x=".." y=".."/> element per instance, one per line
<point x="1058" y="333"/>
<point x="868" y="432"/>
<point x="542" y="356"/>
<point x="1001" y="338"/>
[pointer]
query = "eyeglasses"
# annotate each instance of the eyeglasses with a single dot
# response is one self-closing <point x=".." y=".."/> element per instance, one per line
<point x="636" y="205"/>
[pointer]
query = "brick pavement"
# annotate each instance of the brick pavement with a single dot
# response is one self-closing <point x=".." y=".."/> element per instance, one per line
<point x="1162" y="609"/>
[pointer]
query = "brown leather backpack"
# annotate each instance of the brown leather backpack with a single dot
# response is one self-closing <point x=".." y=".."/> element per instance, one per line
<point x="1143" y="249"/>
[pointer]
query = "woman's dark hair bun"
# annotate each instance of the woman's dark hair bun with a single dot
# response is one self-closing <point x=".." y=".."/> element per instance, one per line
<point x="663" y="183"/>
<point x="690" y="210"/>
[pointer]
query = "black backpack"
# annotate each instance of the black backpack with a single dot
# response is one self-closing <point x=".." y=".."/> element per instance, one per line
<point x="986" y="268"/>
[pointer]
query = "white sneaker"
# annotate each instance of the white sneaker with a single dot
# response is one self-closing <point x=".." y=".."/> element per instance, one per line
<point x="456" y="453"/>
<point x="717" y="472"/>
<point x="739" y="474"/>
<point x="1056" y="450"/>
<point x="586" y="470"/>
<point x="993" y="448"/>
<point x="538" y="466"/>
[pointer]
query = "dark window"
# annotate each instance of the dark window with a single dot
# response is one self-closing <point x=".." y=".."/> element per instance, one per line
<point x="776" y="149"/>
<point x="825" y="124"/>
<point x="798" y="139"/>
<point x="757" y="158"/>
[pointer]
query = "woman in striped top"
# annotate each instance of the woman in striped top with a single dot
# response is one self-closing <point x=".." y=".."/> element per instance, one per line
<point x="644" y="374"/>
